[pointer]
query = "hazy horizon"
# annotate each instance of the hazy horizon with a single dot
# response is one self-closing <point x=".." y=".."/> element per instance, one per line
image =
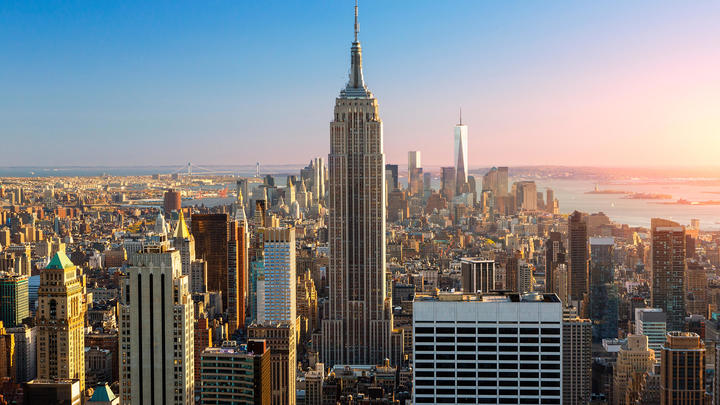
<point x="605" y="85"/>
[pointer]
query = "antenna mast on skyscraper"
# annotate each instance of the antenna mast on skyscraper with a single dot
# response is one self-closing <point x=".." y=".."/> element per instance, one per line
<point x="460" y="115"/>
<point x="357" y="26"/>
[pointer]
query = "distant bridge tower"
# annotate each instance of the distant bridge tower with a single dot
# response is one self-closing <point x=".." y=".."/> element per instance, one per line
<point x="257" y="170"/>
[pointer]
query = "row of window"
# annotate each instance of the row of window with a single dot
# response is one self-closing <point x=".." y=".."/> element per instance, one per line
<point x="485" y="383"/>
<point x="481" y="348"/>
<point x="487" y="339"/>
<point x="488" y="366"/>
<point x="487" y="330"/>
<point x="490" y="400"/>
<point x="486" y="357"/>
<point x="480" y="374"/>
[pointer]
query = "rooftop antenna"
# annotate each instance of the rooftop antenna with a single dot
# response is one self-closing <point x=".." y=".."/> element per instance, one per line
<point x="460" y="115"/>
<point x="357" y="26"/>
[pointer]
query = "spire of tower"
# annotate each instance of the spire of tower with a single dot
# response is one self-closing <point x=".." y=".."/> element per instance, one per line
<point x="356" y="77"/>
<point x="460" y="115"/>
<point x="357" y="26"/>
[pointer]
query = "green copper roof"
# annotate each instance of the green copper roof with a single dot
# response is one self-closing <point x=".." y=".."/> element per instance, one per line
<point x="102" y="393"/>
<point x="60" y="261"/>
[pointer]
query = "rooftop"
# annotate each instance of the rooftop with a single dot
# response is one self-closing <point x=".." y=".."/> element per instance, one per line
<point x="102" y="393"/>
<point x="490" y="297"/>
<point x="60" y="261"/>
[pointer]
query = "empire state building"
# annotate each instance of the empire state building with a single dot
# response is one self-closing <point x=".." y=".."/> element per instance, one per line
<point x="359" y="323"/>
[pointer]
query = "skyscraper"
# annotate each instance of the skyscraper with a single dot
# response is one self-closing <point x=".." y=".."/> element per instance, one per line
<point x="577" y="361"/>
<point x="237" y="275"/>
<point x="280" y="338"/>
<point x="603" y="293"/>
<point x="172" y="201"/>
<point x="156" y="330"/>
<point x="359" y="322"/>
<point x="184" y="242"/>
<point x="427" y="185"/>
<point x="61" y="322"/>
<point x="668" y="270"/>
<point x="460" y="158"/>
<point x="489" y="349"/>
<point x="682" y="375"/>
<point x="526" y="195"/>
<point x="550" y="201"/>
<point x="415" y="175"/>
<point x="478" y="275"/>
<point x="448" y="179"/>
<point x="502" y="181"/>
<point x="579" y="256"/>
<point x="636" y="357"/>
<point x="554" y="255"/>
<point x="237" y="374"/>
<point x="652" y="322"/>
<point x="13" y="300"/>
<point x="279" y="289"/>
<point x="318" y="186"/>
<point x="211" y="242"/>
<point x="696" y="284"/>
<point x="392" y="177"/>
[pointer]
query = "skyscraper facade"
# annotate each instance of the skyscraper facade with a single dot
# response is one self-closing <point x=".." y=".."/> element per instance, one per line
<point x="478" y="275"/>
<point x="156" y="330"/>
<point x="448" y="179"/>
<point x="577" y="361"/>
<point x="554" y="255"/>
<point x="392" y="176"/>
<point x="60" y="322"/>
<point x="359" y="322"/>
<point x="211" y="242"/>
<point x="668" y="270"/>
<point x="682" y="375"/>
<point x="502" y="181"/>
<point x="634" y="358"/>
<point x="280" y="339"/>
<point x="652" y="322"/>
<point x="280" y="277"/>
<point x="461" y="156"/>
<point x="172" y="201"/>
<point x="237" y="275"/>
<point x="236" y="374"/>
<point x="489" y="349"/>
<point x="415" y="174"/>
<point x="13" y="300"/>
<point x="579" y="252"/>
<point x="550" y="201"/>
<point x="526" y="196"/>
<point x="604" y="300"/>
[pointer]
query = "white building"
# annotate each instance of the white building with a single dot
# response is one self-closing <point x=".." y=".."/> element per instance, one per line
<point x="492" y="348"/>
<point x="279" y="285"/>
<point x="652" y="322"/>
<point x="156" y="330"/>
<point x="461" y="154"/>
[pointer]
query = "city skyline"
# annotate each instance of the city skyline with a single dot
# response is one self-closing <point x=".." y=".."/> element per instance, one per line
<point x="146" y="80"/>
<point x="358" y="278"/>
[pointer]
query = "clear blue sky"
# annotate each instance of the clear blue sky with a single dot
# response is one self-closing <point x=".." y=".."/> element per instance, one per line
<point x="234" y="82"/>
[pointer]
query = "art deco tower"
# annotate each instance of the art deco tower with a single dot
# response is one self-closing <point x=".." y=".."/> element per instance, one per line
<point x="60" y="322"/>
<point x="358" y="327"/>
